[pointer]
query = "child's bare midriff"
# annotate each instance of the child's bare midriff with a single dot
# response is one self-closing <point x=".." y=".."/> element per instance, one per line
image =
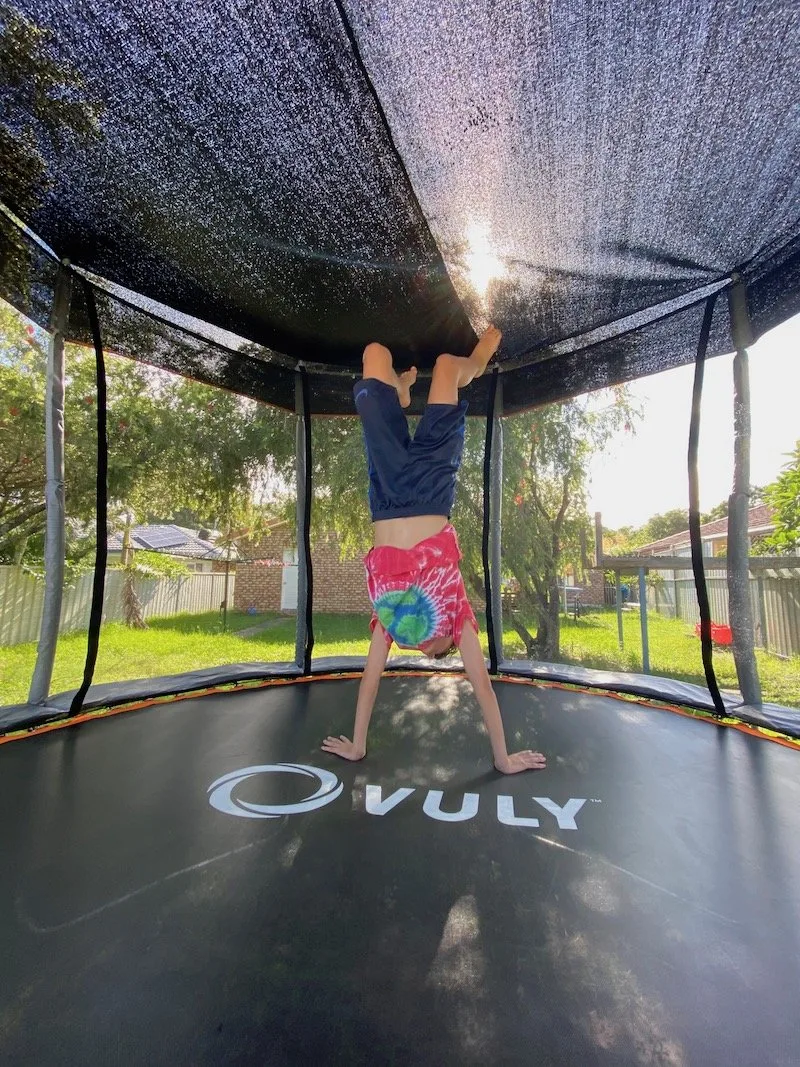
<point x="405" y="533"/>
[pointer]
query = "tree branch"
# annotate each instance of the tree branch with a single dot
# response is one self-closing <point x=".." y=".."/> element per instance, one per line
<point x="15" y="521"/>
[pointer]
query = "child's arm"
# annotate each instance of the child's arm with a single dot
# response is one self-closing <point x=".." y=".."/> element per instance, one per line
<point x="475" y="666"/>
<point x="367" y="691"/>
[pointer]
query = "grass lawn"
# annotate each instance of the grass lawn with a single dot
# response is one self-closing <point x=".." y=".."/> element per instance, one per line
<point x="592" y="641"/>
<point x="176" y="644"/>
<point x="189" y="642"/>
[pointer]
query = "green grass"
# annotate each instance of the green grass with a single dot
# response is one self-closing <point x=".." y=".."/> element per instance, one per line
<point x="176" y="644"/>
<point x="674" y="653"/>
<point x="189" y="642"/>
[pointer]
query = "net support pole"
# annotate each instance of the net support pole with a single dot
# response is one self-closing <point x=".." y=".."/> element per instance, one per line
<point x="101" y="508"/>
<point x="491" y="538"/>
<point x="496" y="514"/>
<point x="741" y="616"/>
<point x="304" y="633"/>
<point x="692" y="470"/>
<point x="54" y="492"/>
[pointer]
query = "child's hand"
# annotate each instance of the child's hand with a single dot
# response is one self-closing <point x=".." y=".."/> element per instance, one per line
<point x="344" y="747"/>
<point x="521" y="761"/>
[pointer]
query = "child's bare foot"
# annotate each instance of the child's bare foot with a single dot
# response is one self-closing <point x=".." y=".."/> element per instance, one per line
<point x="458" y="371"/>
<point x="485" y="348"/>
<point x="404" y="383"/>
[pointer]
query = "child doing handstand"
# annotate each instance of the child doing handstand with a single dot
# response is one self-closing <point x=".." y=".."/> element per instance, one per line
<point x="415" y="585"/>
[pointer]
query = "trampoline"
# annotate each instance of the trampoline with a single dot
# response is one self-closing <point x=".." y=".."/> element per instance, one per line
<point x="245" y="195"/>
<point x="165" y="906"/>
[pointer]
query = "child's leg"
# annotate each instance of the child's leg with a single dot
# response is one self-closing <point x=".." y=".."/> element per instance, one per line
<point x="378" y="364"/>
<point x="452" y="373"/>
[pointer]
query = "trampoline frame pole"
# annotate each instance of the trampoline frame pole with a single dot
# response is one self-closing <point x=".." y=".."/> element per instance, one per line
<point x="54" y="491"/>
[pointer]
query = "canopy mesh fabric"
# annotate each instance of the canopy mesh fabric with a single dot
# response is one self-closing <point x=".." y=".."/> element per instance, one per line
<point x="311" y="177"/>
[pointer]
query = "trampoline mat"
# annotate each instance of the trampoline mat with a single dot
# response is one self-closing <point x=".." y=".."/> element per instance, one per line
<point x="163" y="903"/>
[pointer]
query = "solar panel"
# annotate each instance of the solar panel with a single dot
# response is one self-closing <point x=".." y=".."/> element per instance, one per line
<point x="160" y="537"/>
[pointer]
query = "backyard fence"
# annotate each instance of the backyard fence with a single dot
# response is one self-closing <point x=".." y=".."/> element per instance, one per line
<point x="22" y="597"/>
<point x="774" y="602"/>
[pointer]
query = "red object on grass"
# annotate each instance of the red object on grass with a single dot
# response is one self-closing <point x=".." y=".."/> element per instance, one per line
<point x="720" y="634"/>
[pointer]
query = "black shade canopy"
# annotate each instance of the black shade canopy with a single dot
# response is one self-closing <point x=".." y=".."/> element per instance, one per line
<point x="315" y="176"/>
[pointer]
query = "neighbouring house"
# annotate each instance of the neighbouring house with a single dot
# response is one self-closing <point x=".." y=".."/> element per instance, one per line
<point x="714" y="536"/>
<point x="266" y="575"/>
<point x="197" y="551"/>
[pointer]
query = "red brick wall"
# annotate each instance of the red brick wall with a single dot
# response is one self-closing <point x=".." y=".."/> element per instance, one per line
<point x="594" y="587"/>
<point x="258" y="585"/>
<point x="339" y="586"/>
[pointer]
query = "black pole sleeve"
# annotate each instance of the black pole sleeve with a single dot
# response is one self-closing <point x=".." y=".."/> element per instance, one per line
<point x="101" y="507"/>
<point x="488" y="518"/>
<point x="694" y="513"/>
<point x="307" y="494"/>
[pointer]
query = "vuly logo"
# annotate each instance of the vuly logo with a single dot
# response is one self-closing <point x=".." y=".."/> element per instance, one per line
<point x="221" y="796"/>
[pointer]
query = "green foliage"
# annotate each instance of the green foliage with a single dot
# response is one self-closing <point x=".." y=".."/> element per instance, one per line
<point x="174" y="445"/>
<point x="783" y="496"/>
<point x="546" y="456"/>
<point x="22" y="372"/>
<point x="340" y="483"/>
<point x="225" y="454"/>
<point x="153" y="564"/>
<point x="665" y="525"/>
<point x="718" y="512"/>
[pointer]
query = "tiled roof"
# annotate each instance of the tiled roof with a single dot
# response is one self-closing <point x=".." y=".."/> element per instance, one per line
<point x="759" y="518"/>
<point x="170" y="540"/>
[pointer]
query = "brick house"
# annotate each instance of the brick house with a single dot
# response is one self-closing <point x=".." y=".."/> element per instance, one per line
<point x="266" y="576"/>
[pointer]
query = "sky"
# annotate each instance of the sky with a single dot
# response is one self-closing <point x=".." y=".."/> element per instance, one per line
<point x="645" y="474"/>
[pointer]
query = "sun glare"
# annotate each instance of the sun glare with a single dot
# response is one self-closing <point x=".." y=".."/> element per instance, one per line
<point x="482" y="264"/>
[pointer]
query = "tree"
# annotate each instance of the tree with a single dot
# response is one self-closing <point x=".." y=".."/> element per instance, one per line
<point x="622" y="541"/>
<point x="783" y="496"/>
<point x="670" y="522"/>
<point x="22" y="363"/>
<point x="546" y="456"/>
<point x="140" y="435"/>
<point x="228" y="455"/>
<point x="174" y="444"/>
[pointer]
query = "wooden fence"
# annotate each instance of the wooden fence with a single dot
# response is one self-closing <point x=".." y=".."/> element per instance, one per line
<point x="22" y="597"/>
<point x="774" y="602"/>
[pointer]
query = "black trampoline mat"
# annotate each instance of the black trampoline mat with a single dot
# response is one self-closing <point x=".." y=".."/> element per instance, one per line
<point x="658" y="924"/>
